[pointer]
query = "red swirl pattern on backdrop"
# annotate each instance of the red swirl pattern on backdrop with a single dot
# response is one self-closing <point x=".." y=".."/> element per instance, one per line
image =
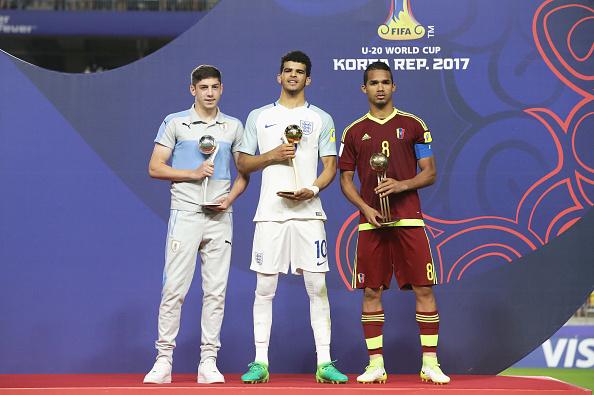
<point x="458" y="244"/>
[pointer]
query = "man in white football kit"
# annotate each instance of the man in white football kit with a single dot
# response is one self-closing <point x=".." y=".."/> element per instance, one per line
<point x="289" y="218"/>
<point x="193" y="228"/>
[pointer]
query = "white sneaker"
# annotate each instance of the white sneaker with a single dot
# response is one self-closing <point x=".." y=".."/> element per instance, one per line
<point x="373" y="374"/>
<point x="208" y="372"/>
<point x="432" y="373"/>
<point x="160" y="373"/>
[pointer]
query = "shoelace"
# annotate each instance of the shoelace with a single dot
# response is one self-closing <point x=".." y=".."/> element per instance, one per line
<point x="329" y="365"/>
<point x="255" y="367"/>
<point x="370" y="367"/>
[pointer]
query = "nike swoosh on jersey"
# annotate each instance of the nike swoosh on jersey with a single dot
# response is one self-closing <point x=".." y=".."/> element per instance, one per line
<point x="268" y="126"/>
<point x="321" y="263"/>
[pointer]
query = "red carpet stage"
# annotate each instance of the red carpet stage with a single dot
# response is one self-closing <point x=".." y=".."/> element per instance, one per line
<point x="130" y="384"/>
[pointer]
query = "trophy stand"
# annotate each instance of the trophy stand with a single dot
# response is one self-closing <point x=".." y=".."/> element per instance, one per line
<point x="292" y="135"/>
<point x="379" y="163"/>
<point x="208" y="146"/>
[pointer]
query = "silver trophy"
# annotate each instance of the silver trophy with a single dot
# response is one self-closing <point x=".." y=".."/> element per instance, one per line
<point x="208" y="146"/>
<point x="292" y="135"/>
<point x="379" y="163"/>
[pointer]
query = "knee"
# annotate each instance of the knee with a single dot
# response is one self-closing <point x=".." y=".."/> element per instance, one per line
<point x="315" y="284"/>
<point x="423" y="293"/>
<point x="266" y="287"/>
<point x="372" y="294"/>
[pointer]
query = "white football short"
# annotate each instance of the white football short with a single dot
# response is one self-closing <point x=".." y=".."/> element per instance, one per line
<point x="300" y="244"/>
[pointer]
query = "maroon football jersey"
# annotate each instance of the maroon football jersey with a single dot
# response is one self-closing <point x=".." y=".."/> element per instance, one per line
<point x="395" y="136"/>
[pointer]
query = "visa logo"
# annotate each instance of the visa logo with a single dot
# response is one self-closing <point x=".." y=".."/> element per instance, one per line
<point x="578" y="353"/>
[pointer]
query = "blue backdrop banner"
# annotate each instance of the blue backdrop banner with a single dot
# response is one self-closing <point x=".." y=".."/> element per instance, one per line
<point x="505" y="87"/>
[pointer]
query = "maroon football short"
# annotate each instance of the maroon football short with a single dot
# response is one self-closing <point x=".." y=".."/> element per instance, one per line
<point x="401" y="250"/>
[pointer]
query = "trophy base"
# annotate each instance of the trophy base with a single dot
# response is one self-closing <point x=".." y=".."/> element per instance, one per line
<point x="286" y="193"/>
<point x="389" y="223"/>
<point x="210" y="204"/>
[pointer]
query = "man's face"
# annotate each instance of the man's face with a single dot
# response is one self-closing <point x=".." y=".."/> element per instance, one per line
<point x="207" y="93"/>
<point x="293" y="77"/>
<point x="379" y="87"/>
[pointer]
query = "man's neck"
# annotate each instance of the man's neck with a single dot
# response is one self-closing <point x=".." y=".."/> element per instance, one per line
<point x="206" y="114"/>
<point x="292" y="100"/>
<point x="381" y="112"/>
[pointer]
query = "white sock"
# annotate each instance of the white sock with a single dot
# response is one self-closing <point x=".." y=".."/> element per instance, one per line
<point x="265" y="291"/>
<point x="319" y="313"/>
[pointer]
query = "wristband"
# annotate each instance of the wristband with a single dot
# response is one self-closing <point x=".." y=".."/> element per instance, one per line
<point x="314" y="189"/>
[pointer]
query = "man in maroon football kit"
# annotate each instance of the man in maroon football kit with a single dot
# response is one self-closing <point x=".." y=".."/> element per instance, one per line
<point x="392" y="236"/>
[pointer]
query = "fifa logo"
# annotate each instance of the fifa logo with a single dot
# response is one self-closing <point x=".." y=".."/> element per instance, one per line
<point x="401" y="24"/>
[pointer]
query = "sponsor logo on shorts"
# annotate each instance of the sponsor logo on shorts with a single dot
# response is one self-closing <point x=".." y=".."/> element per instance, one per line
<point x="361" y="278"/>
<point x="318" y="214"/>
<point x="175" y="244"/>
<point x="259" y="257"/>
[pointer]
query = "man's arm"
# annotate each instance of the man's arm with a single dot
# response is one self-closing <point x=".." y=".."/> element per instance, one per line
<point x="247" y="164"/>
<point x="324" y="179"/>
<point x="239" y="185"/>
<point x="158" y="167"/>
<point x="350" y="192"/>
<point x="423" y="178"/>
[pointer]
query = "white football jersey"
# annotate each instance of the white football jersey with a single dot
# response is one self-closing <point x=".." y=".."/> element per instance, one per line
<point x="264" y="130"/>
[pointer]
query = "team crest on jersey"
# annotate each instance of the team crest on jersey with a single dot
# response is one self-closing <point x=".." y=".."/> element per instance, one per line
<point x="361" y="278"/>
<point x="259" y="257"/>
<point x="306" y="127"/>
<point x="400" y="133"/>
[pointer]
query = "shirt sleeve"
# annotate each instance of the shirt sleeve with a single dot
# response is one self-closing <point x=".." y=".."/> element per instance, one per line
<point x="347" y="155"/>
<point x="423" y="141"/>
<point x="238" y="137"/>
<point x="327" y="142"/>
<point x="166" y="134"/>
<point x="249" y="140"/>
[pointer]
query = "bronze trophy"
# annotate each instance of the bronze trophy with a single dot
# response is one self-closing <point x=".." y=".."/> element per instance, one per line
<point x="379" y="163"/>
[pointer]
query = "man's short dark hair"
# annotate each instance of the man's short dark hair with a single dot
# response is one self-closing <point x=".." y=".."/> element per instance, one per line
<point x="205" y="71"/>
<point x="299" y="57"/>
<point x="376" y="66"/>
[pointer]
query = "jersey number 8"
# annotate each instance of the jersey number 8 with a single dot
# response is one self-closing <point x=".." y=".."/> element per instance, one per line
<point x="386" y="148"/>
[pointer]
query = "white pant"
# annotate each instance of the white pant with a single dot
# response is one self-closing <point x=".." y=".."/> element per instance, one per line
<point x="188" y="233"/>
<point x="300" y="244"/>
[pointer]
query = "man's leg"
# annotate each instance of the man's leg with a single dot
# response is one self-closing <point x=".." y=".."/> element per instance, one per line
<point x="372" y="320"/>
<point x="421" y="275"/>
<point x="373" y="273"/>
<point x="270" y="256"/>
<point x="183" y="237"/>
<point x="319" y="313"/>
<point x="428" y="320"/>
<point x="215" y="253"/>
<point x="265" y="290"/>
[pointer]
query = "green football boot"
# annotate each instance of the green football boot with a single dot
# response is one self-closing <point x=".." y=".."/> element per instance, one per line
<point x="327" y="373"/>
<point x="257" y="373"/>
